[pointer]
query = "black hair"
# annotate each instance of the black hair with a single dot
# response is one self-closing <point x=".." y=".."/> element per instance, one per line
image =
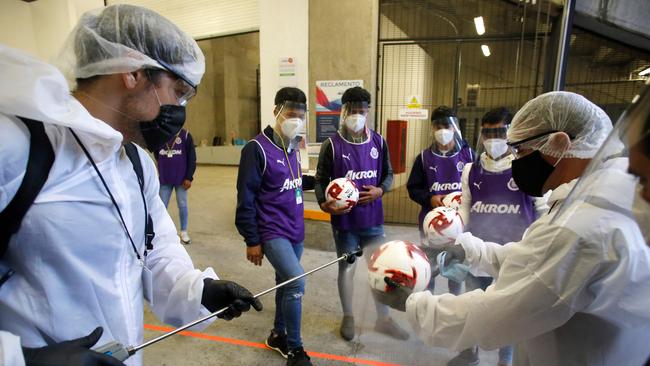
<point x="496" y="115"/>
<point x="442" y="112"/>
<point x="289" y="94"/>
<point x="356" y="94"/>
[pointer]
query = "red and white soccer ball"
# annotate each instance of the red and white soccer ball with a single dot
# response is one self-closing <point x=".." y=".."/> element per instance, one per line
<point x="452" y="200"/>
<point x="403" y="262"/>
<point x="344" y="191"/>
<point x="441" y="226"/>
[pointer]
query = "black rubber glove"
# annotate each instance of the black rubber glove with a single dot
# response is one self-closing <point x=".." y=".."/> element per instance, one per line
<point x="456" y="252"/>
<point x="218" y="294"/>
<point x="396" y="295"/>
<point x="76" y="352"/>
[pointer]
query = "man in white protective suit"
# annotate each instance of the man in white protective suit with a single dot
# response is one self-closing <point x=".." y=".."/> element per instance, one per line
<point x="574" y="290"/>
<point x="79" y="266"/>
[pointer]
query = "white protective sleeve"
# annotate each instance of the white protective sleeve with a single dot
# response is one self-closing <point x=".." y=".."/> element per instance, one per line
<point x="466" y="198"/>
<point x="483" y="256"/>
<point x="541" y="204"/>
<point x="177" y="285"/>
<point x="528" y="298"/>
<point x="586" y="264"/>
<point x="10" y="351"/>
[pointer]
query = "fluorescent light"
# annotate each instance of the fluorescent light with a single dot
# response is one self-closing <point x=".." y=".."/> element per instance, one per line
<point x="485" y="49"/>
<point x="645" y="72"/>
<point x="480" y="26"/>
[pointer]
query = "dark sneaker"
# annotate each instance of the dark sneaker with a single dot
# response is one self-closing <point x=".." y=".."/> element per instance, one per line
<point x="347" y="327"/>
<point x="278" y="343"/>
<point x="298" y="357"/>
<point x="390" y="328"/>
<point x="468" y="357"/>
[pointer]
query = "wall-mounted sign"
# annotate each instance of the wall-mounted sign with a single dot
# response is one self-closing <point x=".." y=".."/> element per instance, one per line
<point x="328" y="105"/>
<point x="413" y="113"/>
<point x="287" y="72"/>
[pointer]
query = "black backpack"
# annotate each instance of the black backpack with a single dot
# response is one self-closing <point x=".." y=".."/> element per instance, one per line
<point x="39" y="164"/>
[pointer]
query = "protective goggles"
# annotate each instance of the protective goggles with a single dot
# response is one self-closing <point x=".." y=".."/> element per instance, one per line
<point x="183" y="87"/>
<point x="528" y="145"/>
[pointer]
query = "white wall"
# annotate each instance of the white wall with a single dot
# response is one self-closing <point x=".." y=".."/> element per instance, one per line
<point x="40" y="28"/>
<point x="205" y="18"/>
<point x="282" y="36"/>
<point x="16" y="28"/>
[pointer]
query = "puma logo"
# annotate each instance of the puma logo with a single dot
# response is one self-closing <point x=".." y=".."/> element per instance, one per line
<point x="346" y="156"/>
<point x="478" y="185"/>
<point x="434" y="168"/>
<point x="281" y="162"/>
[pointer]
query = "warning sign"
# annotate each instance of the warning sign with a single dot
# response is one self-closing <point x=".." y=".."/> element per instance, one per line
<point x="414" y="102"/>
<point x="413" y="113"/>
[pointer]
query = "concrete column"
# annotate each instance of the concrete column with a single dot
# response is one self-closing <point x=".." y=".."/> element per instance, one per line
<point x="343" y="45"/>
<point x="284" y="32"/>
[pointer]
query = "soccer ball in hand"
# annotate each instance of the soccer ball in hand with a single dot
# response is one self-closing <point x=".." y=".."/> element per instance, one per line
<point x="441" y="226"/>
<point x="403" y="262"/>
<point x="343" y="191"/>
<point x="452" y="200"/>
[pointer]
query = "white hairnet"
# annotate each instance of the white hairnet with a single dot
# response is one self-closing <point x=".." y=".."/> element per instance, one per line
<point x="124" y="38"/>
<point x="585" y="122"/>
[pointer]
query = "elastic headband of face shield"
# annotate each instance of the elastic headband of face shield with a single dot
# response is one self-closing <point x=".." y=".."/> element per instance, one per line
<point x="287" y="104"/>
<point x="494" y="132"/>
<point x="445" y="122"/>
<point x="356" y="107"/>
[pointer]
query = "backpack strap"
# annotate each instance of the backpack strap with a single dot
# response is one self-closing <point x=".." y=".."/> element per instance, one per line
<point x="39" y="164"/>
<point x="132" y="154"/>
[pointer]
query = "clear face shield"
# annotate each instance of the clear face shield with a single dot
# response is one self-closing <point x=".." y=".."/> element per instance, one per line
<point x="352" y="123"/>
<point x="493" y="142"/>
<point x="617" y="177"/>
<point x="292" y="123"/>
<point x="446" y="137"/>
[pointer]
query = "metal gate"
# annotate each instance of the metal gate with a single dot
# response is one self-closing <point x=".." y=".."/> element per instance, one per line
<point x="431" y="49"/>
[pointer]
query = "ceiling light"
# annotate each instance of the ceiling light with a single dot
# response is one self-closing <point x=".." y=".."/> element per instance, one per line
<point x="480" y="26"/>
<point x="645" y="72"/>
<point x="486" y="50"/>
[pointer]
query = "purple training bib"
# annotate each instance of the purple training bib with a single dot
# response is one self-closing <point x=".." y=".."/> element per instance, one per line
<point x="279" y="212"/>
<point x="362" y="164"/>
<point x="500" y="212"/>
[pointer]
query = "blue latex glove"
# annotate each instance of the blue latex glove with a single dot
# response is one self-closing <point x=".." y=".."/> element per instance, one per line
<point x="454" y="270"/>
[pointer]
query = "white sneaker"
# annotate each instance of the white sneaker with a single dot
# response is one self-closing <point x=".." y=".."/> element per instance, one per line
<point x="185" y="238"/>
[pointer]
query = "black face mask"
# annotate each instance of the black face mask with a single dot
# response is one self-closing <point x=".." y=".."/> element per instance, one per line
<point x="169" y="121"/>
<point x="531" y="172"/>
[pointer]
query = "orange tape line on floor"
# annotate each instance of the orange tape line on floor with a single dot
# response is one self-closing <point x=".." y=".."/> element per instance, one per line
<point x="317" y="215"/>
<point x="240" y="342"/>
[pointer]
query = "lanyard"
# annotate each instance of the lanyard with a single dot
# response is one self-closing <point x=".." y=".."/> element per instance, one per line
<point x="289" y="161"/>
<point x="111" y="196"/>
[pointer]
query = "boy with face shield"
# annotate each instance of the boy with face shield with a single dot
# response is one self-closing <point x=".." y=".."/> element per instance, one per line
<point x="437" y="170"/>
<point x="360" y="154"/>
<point x="86" y="255"/>
<point x="492" y="207"/>
<point x="270" y="215"/>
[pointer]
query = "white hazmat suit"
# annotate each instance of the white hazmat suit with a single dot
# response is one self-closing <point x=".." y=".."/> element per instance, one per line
<point x="573" y="291"/>
<point x="75" y="266"/>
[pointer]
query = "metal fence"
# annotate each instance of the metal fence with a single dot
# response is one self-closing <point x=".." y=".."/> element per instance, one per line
<point x="431" y="49"/>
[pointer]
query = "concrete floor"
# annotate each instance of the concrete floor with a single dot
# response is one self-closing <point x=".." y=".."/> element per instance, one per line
<point x="216" y="243"/>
